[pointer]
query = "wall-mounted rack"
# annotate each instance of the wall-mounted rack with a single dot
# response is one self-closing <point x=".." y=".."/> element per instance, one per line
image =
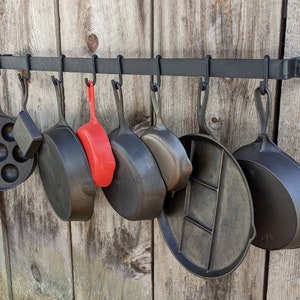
<point x="281" y="69"/>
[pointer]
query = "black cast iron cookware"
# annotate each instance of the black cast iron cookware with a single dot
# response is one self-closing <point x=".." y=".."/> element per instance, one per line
<point x="209" y="225"/>
<point x="273" y="178"/>
<point x="25" y="132"/>
<point x="65" y="171"/>
<point x="137" y="190"/>
<point x="15" y="167"/>
<point x="170" y="156"/>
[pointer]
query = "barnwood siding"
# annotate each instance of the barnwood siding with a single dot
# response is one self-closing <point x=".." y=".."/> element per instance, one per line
<point x="108" y="257"/>
<point x="5" y="282"/>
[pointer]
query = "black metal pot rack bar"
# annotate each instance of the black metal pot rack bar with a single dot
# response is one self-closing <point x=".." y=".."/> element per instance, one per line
<point x="234" y="68"/>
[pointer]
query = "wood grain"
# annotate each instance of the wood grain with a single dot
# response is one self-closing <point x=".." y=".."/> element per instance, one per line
<point x="284" y="275"/>
<point x="39" y="242"/>
<point x="5" y="275"/>
<point x="111" y="256"/>
<point x="231" y="29"/>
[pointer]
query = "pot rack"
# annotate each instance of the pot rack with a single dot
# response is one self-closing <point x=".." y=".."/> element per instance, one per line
<point x="280" y="69"/>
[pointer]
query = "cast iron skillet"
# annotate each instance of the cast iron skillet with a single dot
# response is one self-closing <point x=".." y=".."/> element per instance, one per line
<point x="64" y="170"/>
<point x="170" y="156"/>
<point x="209" y="225"/>
<point x="137" y="190"/>
<point x="96" y="145"/>
<point x="273" y="178"/>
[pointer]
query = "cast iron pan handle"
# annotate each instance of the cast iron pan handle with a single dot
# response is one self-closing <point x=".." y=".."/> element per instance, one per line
<point x="59" y="97"/>
<point x="117" y="88"/>
<point x="24" y="84"/>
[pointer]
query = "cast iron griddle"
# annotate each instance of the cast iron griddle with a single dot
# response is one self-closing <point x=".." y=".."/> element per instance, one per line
<point x="208" y="226"/>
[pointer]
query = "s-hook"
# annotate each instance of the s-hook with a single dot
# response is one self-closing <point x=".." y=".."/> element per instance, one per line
<point x="201" y="106"/>
<point x="155" y="86"/>
<point x="24" y="80"/>
<point x="118" y="84"/>
<point x="203" y="85"/>
<point x="61" y="69"/>
<point x="58" y="83"/>
<point x="94" y="60"/>
<point x="264" y="83"/>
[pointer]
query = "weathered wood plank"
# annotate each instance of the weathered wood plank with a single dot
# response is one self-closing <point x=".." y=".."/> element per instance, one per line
<point x="284" y="275"/>
<point x="5" y="276"/>
<point x="231" y="29"/>
<point x="39" y="242"/>
<point x="111" y="256"/>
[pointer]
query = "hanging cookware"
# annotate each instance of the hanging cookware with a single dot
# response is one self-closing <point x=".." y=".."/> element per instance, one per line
<point x="209" y="226"/>
<point x="25" y="132"/>
<point x="137" y="191"/>
<point x="64" y="170"/>
<point x="273" y="178"/>
<point x="96" y="145"/>
<point x="171" y="158"/>
<point x="15" y="167"/>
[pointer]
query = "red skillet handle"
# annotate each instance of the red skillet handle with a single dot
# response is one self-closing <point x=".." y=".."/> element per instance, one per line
<point x="91" y="98"/>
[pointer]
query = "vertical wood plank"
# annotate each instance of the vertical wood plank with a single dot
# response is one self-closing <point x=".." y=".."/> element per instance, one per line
<point x="5" y="276"/>
<point x="111" y="256"/>
<point x="231" y="29"/>
<point x="39" y="242"/>
<point x="284" y="275"/>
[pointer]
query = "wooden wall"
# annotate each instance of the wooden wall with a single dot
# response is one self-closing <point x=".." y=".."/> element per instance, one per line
<point x="108" y="257"/>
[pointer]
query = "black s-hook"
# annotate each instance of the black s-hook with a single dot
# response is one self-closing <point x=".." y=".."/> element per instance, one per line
<point x="58" y="84"/>
<point x="24" y="81"/>
<point x="61" y="71"/>
<point x="264" y="83"/>
<point x="118" y="84"/>
<point x="156" y="85"/>
<point x="61" y="68"/>
<point x="201" y="104"/>
<point x="94" y="61"/>
<point x="205" y="84"/>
